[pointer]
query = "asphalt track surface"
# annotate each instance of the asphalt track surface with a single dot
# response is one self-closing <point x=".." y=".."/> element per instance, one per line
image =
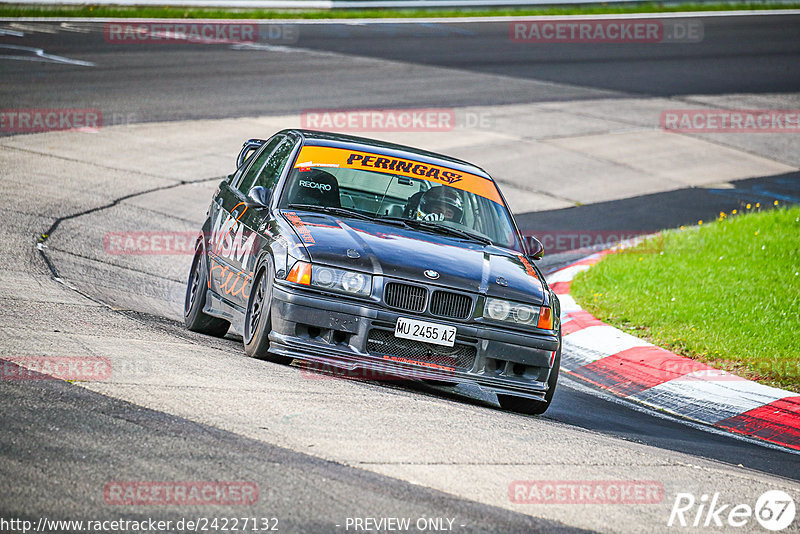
<point x="177" y="82"/>
<point x="303" y="492"/>
<point x="174" y="81"/>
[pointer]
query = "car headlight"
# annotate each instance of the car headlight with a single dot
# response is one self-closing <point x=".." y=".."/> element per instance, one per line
<point x="354" y="282"/>
<point x="517" y="313"/>
<point x="497" y="309"/>
<point x="331" y="279"/>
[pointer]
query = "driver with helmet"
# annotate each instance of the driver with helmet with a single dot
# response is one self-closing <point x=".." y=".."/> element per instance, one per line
<point x="440" y="203"/>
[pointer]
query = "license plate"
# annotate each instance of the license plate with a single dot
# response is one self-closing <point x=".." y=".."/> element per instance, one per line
<point x="424" y="331"/>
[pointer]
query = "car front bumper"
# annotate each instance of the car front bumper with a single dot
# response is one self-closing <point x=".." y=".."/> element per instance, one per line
<point x="341" y="334"/>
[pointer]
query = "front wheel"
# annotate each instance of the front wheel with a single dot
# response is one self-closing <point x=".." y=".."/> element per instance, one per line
<point x="257" y="320"/>
<point x="193" y="316"/>
<point x="530" y="406"/>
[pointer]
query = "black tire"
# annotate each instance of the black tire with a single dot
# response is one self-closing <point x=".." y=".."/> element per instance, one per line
<point x="257" y="320"/>
<point x="530" y="406"/>
<point x="195" y="300"/>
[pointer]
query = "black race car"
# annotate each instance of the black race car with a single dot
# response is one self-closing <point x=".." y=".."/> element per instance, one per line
<point x="360" y="254"/>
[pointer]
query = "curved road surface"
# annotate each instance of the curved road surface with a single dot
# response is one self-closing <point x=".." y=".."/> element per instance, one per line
<point x="547" y="120"/>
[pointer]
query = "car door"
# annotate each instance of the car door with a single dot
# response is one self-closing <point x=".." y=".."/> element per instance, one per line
<point x="228" y="242"/>
<point x="257" y="222"/>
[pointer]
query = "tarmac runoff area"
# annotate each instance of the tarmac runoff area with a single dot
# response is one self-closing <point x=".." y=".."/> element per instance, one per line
<point x="160" y="176"/>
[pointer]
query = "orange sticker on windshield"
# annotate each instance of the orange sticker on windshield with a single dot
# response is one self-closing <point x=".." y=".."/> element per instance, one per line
<point x="323" y="156"/>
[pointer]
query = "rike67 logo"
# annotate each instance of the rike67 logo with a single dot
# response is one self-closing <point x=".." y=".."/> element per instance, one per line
<point x="774" y="510"/>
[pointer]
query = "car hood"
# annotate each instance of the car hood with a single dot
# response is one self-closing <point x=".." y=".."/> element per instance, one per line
<point x="405" y="253"/>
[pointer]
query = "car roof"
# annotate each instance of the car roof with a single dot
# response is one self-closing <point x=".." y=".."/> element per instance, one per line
<point x="363" y="144"/>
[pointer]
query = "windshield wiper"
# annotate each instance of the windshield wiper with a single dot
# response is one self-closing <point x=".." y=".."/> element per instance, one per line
<point x="340" y="211"/>
<point x="410" y="223"/>
<point x="331" y="209"/>
<point x="438" y="228"/>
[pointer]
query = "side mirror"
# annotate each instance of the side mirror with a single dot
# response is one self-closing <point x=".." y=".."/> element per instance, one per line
<point x="258" y="197"/>
<point x="248" y="146"/>
<point x="535" y="249"/>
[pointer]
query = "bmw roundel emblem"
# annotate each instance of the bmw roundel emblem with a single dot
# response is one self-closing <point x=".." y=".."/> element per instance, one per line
<point x="430" y="273"/>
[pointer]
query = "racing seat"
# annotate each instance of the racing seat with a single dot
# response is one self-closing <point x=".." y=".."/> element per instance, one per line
<point x="319" y="188"/>
<point x="395" y="211"/>
<point x="412" y="204"/>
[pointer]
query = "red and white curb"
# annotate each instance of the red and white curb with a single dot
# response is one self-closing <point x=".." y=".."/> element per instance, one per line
<point x="632" y="368"/>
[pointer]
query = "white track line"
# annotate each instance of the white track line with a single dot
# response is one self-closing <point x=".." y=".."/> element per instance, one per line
<point x="39" y="55"/>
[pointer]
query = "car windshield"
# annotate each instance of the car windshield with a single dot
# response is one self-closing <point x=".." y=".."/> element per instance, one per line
<point x="423" y="195"/>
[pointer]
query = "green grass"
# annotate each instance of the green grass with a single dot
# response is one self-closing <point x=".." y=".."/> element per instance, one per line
<point x="726" y="293"/>
<point x="89" y="10"/>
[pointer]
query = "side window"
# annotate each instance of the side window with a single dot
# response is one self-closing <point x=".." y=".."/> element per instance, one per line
<point x="275" y="164"/>
<point x="247" y="180"/>
<point x="248" y="159"/>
